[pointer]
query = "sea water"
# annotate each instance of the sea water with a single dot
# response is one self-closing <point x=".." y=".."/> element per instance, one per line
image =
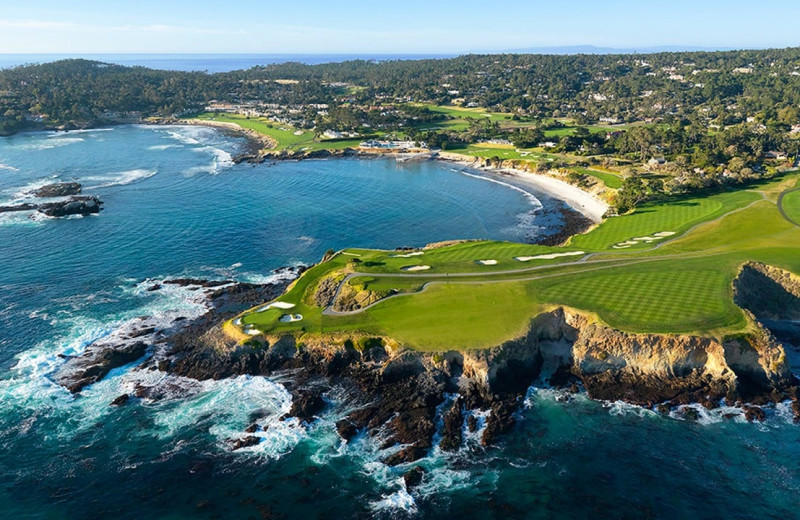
<point x="176" y="205"/>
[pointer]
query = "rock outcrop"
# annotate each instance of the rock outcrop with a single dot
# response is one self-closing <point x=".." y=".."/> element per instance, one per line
<point x="74" y="206"/>
<point x="60" y="189"/>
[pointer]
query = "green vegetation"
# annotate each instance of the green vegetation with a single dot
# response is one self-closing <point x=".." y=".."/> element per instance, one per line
<point x="285" y="136"/>
<point x="680" y="283"/>
<point x="612" y="180"/>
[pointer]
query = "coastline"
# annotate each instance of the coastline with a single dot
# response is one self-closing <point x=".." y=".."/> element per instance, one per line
<point x="580" y="200"/>
<point x="576" y="198"/>
<point x="263" y="147"/>
<point x="257" y="144"/>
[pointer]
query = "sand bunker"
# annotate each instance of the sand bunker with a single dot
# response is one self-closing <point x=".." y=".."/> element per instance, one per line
<point x="251" y="331"/>
<point x="413" y="268"/>
<point x="547" y="257"/>
<point x="486" y="262"/>
<point x="646" y="240"/>
<point x="238" y="322"/>
<point x="291" y="318"/>
<point x="299" y="132"/>
<point x="408" y="255"/>
<point x="275" y="305"/>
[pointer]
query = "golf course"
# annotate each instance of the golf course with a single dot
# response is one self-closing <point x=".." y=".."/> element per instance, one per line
<point x="668" y="267"/>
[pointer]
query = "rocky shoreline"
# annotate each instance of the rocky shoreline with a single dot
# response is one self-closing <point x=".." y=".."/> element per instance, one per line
<point x="76" y="204"/>
<point x="399" y="395"/>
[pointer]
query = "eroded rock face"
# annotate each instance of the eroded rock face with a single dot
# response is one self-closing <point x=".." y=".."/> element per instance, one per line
<point x="397" y="395"/>
<point x="768" y="292"/>
<point x="99" y="359"/>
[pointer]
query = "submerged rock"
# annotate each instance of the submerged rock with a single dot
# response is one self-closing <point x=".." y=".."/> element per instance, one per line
<point x="413" y="477"/>
<point x="18" y="207"/>
<point x="754" y="413"/>
<point x="244" y="442"/>
<point x="122" y="399"/>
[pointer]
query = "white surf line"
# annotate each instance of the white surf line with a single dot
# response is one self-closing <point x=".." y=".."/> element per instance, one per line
<point x="531" y="198"/>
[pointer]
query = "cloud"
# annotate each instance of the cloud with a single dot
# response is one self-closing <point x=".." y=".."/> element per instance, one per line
<point x="35" y="24"/>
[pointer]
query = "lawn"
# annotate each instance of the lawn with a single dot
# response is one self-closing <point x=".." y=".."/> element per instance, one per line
<point x="284" y="135"/>
<point x="609" y="179"/>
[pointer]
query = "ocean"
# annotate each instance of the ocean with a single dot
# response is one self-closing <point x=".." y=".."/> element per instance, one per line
<point x="176" y="206"/>
<point x="207" y="62"/>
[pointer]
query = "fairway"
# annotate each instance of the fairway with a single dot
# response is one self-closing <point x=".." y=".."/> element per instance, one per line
<point x="284" y="135"/>
<point x="661" y="297"/>
<point x="477" y="316"/>
<point x="479" y="294"/>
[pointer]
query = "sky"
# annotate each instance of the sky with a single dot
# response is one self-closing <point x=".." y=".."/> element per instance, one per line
<point x="390" y="27"/>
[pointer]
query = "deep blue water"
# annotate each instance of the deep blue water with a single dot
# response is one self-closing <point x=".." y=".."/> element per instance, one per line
<point x="175" y="206"/>
<point x="207" y="62"/>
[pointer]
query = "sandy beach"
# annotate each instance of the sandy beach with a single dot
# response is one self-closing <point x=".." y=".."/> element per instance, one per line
<point x="581" y="201"/>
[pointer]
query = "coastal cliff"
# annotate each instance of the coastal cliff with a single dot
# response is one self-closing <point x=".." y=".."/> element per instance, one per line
<point x="411" y="400"/>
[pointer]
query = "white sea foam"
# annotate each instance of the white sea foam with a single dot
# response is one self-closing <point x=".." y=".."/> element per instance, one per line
<point x="81" y="131"/>
<point x="620" y="408"/>
<point x="282" y="275"/>
<point x="182" y="137"/>
<point x="30" y="386"/>
<point x="20" y="219"/>
<point x="536" y="203"/>
<point x="221" y="160"/>
<point x="400" y="499"/>
<point x="162" y="147"/>
<point x="26" y="192"/>
<point x="55" y="141"/>
<point x="8" y="167"/>
<point x="119" y="179"/>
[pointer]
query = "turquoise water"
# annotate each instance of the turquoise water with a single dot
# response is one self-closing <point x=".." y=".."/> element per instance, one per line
<point x="176" y="206"/>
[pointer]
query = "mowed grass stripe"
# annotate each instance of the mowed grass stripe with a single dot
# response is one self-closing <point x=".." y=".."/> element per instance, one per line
<point x="666" y="300"/>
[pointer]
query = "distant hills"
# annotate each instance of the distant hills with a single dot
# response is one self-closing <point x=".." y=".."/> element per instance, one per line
<point x="591" y="49"/>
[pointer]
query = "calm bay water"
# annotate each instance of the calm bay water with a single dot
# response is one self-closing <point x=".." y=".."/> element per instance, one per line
<point x="176" y="206"/>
